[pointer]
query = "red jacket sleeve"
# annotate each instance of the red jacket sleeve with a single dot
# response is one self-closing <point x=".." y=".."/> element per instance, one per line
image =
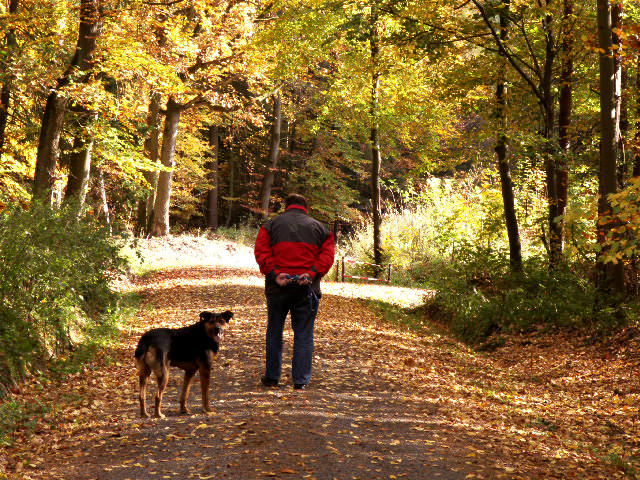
<point x="324" y="261"/>
<point x="264" y="252"/>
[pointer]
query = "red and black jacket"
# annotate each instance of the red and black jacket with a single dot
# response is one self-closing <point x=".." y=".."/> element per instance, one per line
<point x="294" y="243"/>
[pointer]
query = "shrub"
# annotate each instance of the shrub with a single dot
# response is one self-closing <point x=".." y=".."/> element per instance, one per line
<point x="480" y="296"/>
<point x="54" y="284"/>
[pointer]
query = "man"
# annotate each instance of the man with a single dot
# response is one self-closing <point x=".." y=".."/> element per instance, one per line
<point x="293" y="251"/>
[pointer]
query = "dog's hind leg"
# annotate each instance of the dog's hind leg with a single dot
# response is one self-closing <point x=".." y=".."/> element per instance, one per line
<point x="161" y="370"/>
<point x="144" y="371"/>
<point x="144" y="381"/>
<point x="184" y="395"/>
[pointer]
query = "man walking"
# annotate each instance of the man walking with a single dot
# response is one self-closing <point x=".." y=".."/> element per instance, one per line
<point x="294" y="251"/>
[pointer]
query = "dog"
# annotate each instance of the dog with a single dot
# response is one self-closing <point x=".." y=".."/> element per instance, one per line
<point x="190" y="348"/>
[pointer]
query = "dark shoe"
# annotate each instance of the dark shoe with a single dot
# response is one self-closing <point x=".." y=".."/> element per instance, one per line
<point x="300" y="386"/>
<point x="269" y="382"/>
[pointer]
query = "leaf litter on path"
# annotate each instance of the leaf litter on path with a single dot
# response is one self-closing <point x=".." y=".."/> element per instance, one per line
<point x="384" y="402"/>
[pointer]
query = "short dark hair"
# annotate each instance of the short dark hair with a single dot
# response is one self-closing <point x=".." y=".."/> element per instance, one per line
<point x="296" y="199"/>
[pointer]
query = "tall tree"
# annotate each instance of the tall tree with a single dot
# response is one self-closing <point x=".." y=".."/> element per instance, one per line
<point x="5" y="92"/>
<point x="167" y="158"/>
<point x="508" y="197"/>
<point x="537" y="72"/>
<point x="213" y="175"/>
<point x="53" y="116"/>
<point x="152" y="151"/>
<point x="565" y="109"/>
<point x="613" y="272"/>
<point x="374" y="139"/>
<point x="274" y="152"/>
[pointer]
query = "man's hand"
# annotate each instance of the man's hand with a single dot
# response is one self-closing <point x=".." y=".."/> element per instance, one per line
<point x="305" y="279"/>
<point x="282" y="279"/>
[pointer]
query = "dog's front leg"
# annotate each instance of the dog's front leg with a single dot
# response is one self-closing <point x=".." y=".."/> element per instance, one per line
<point x="205" y="376"/>
<point x="186" y="385"/>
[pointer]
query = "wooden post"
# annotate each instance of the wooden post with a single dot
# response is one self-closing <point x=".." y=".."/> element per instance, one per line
<point x="343" y="269"/>
<point x="390" y="270"/>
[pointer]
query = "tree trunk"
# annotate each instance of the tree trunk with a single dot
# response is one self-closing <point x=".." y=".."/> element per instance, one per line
<point x="212" y="175"/>
<point x="636" y="160"/>
<point x="151" y="146"/>
<point x="169" y="139"/>
<point x="613" y="274"/>
<point x="274" y="150"/>
<point x="232" y="170"/>
<point x="103" y="206"/>
<point x="551" y="167"/>
<point x="565" y="111"/>
<point x="53" y="117"/>
<point x="616" y="24"/>
<point x="374" y="139"/>
<point x="511" y="220"/>
<point x="5" y="92"/>
<point x="80" y="164"/>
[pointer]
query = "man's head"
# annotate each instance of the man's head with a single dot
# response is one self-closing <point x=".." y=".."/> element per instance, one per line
<point x="295" y="199"/>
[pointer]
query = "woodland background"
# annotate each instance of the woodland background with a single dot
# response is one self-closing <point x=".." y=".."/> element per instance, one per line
<point x="489" y="150"/>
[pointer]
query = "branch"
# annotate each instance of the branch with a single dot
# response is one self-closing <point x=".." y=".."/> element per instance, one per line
<point x="199" y="65"/>
<point x="509" y="56"/>
<point x="530" y="47"/>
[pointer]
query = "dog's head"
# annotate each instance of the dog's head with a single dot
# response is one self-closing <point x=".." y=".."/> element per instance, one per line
<point x="215" y="323"/>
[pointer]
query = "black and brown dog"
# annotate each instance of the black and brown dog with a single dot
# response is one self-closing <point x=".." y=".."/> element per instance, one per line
<point x="190" y="348"/>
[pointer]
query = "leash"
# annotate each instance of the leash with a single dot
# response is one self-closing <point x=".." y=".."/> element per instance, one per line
<point x="314" y="301"/>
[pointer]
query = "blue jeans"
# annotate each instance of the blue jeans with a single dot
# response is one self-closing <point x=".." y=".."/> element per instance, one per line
<point x="303" y="317"/>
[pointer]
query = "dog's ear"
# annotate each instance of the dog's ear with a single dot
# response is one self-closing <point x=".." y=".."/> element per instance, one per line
<point x="205" y="316"/>
<point x="227" y="315"/>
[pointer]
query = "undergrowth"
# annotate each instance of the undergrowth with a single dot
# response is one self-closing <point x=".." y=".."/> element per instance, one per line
<point x="449" y="236"/>
<point x="55" y="287"/>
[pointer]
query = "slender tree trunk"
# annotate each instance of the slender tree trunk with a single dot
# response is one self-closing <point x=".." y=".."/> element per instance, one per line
<point x="5" y="92"/>
<point x="508" y="198"/>
<point x="167" y="157"/>
<point x="212" y="175"/>
<point x="232" y="174"/>
<point x="551" y="167"/>
<point x="625" y="161"/>
<point x="613" y="274"/>
<point x="103" y="207"/>
<point x="53" y="117"/>
<point x="636" y="160"/>
<point x="151" y="150"/>
<point x="565" y="111"/>
<point x="374" y="138"/>
<point x="80" y="163"/>
<point x="274" y="150"/>
<point x="618" y="66"/>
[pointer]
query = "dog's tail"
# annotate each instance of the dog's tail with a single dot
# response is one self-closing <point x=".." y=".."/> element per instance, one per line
<point x="141" y="349"/>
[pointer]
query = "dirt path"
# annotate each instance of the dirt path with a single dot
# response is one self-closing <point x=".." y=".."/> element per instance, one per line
<point x="384" y="403"/>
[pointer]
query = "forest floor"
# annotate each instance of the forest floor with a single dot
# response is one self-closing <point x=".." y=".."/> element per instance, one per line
<point x="385" y="402"/>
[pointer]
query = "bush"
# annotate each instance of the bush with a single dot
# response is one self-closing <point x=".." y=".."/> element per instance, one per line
<point x="54" y="285"/>
<point x="480" y="296"/>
